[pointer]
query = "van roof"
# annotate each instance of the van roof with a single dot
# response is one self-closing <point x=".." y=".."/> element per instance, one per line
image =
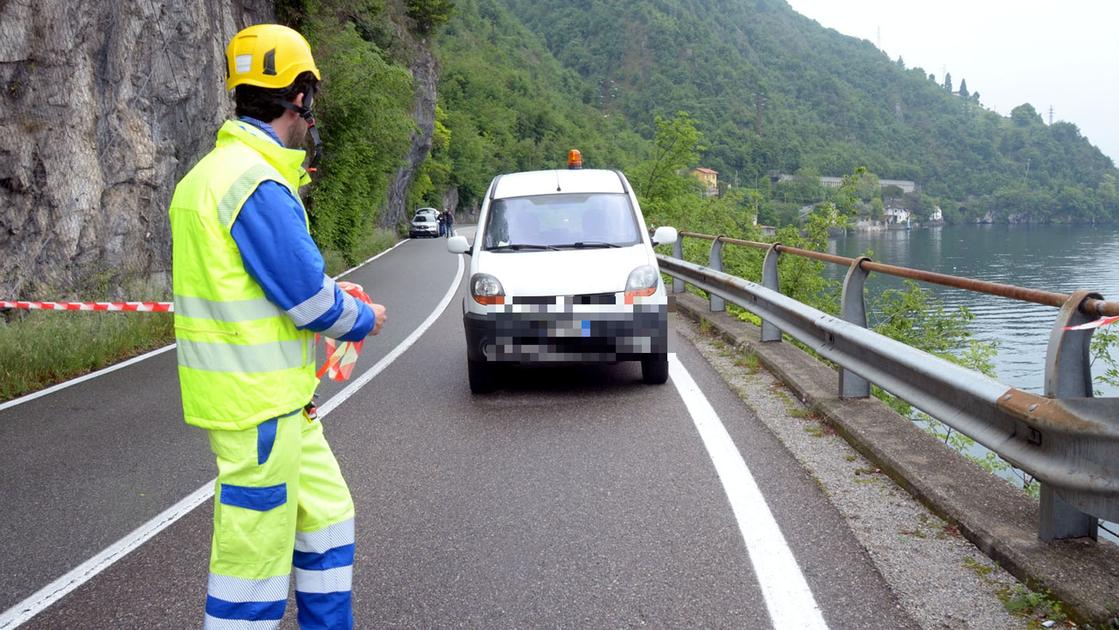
<point x="558" y="182"/>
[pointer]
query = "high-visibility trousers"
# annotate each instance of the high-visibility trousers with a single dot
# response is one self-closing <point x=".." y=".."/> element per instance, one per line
<point x="280" y="501"/>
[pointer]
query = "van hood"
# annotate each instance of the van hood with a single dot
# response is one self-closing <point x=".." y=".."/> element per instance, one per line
<point x="566" y="272"/>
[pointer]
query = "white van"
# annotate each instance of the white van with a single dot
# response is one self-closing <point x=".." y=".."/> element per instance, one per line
<point x="562" y="270"/>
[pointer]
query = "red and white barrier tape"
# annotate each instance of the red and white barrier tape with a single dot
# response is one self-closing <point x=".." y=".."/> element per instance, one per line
<point x="342" y="356"/>
<point x="130" y="307"/>
<point x="1099" y="323"/>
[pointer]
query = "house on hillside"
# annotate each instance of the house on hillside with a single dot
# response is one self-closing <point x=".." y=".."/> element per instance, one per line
<point x="709" y="178"/>
<point x="896" y="216"/>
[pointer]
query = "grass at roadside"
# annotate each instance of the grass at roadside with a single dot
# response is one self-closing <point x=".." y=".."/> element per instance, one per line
<point x="371" y="244"/>
<point x="39" y="349"/>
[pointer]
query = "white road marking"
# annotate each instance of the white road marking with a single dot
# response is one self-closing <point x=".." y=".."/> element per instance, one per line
<point x="57" y="589"/>
<point x="787" y="597"/>
<point x="117" y="366"/>
<point x="351" y="269"/>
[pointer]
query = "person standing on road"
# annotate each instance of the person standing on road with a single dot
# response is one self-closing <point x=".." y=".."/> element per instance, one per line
<point x="250" y="294"/>
<point x="441" y="218"/>
<point x="450" y="223"/>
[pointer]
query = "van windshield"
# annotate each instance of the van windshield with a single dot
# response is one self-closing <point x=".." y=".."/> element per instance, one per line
<point x="545" y="222"/>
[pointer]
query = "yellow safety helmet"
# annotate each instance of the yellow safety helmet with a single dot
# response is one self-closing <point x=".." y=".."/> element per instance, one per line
<point x="267" y="56"/>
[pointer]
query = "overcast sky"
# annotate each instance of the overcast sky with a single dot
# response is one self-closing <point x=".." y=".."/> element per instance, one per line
<point x="1062" y="53"/>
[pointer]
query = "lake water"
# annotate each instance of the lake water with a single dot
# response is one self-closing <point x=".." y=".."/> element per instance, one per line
<point x="1053" y="258"/>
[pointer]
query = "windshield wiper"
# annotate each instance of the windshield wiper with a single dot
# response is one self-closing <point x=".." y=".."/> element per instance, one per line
<point x="519" y="246"/>
<point x="589" y="244"/>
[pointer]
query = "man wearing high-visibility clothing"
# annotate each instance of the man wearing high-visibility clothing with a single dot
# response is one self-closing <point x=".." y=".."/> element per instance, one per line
<point x="250" y="294"/>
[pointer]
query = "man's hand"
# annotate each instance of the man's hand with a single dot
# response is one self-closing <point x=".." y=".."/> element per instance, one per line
<point x="379" y="313"/>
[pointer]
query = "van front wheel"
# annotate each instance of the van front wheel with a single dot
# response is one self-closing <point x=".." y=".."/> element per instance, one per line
<point x="654" y="370"/>
<point x="481" y="377"/>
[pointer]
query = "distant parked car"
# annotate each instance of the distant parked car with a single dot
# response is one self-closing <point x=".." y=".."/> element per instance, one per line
<point x="425" y="223"/>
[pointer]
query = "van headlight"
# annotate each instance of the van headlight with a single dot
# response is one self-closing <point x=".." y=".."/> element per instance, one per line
<point x="486" y="289"/>
<point x="642" y="282"/>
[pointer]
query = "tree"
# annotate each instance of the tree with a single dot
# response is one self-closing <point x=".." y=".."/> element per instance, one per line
<point x="893" y="192"/>
<point x="948" y="82"/>
<point x="963" y="88"/>
<point x="1107" y="192"/>
<point x="877" y="209"/>
<point x="1025" y="115"/>
<point x="901" y="62"/>
<point x="863" y="183"/>
<point x="430" y="14"/>
<point x="677" y="146"/>
<point x="804" y="187"/>
<point x="859" y="186"/>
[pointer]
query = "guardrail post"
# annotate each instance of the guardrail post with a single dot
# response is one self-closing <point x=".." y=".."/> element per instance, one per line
<point x="852" y="385"/>
<point x="718" y="304"/>
<point x="770" y="281"/>
<point x="1068" y="374"/>
<point x="678" y="253"/>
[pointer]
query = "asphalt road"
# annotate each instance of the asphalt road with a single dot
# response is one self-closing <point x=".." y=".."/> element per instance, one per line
<point x="573" y="497"/>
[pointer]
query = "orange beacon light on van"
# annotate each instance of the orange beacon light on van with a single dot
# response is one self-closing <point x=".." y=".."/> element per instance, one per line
<point x="574" y="159"/>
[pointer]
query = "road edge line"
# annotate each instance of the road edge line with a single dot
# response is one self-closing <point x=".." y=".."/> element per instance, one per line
<point x="40" y="600"/>
<point x="788" y="598"/>
<point x="147" y="355"/>
<point x="375" y="257"/>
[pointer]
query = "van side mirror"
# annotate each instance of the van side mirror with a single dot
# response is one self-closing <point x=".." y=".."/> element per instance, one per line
<point x="458" y="245"/>
<point x="665" y="235"/>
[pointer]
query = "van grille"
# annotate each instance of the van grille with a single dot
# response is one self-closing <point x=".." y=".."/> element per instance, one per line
<point x="582" y="299"/>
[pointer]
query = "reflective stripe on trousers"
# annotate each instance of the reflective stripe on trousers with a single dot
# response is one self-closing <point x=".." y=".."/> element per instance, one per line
<point x="323" y="563"/>
<point x="323" y="574"/>
<point x="245" y="603"/>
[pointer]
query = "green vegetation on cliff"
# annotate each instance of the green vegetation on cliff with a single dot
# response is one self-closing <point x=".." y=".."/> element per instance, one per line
<point x="364" y="113"/>
<point x="506" y="104"/>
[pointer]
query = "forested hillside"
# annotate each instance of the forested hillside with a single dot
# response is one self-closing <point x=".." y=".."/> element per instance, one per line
<point x="506" y="104"/>
<point x="773" y="91"/>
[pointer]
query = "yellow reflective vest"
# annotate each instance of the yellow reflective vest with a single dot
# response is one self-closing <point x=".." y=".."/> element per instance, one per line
<point x="241" y="358"/>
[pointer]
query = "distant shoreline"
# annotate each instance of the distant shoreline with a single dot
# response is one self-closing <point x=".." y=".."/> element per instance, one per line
<point x="895" y="227"/>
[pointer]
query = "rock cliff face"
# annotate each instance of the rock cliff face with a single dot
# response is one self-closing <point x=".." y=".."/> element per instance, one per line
<point x="105" y="105"/>
<point x="425" y="76"/>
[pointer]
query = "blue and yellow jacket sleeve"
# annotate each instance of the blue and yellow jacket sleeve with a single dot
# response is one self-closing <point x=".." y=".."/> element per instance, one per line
<point x="280" y="255"/>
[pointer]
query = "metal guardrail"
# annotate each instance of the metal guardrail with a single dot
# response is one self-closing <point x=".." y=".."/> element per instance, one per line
<point x="1067" y="439"/>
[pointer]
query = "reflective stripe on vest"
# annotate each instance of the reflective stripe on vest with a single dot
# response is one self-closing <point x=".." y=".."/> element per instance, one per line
<point x="232" y="311"/>
<point x="228" y="357"/>
<point x="242" y="187"/>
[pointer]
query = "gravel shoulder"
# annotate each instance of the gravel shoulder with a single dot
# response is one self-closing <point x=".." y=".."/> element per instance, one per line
<point x="941" y="579"/>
